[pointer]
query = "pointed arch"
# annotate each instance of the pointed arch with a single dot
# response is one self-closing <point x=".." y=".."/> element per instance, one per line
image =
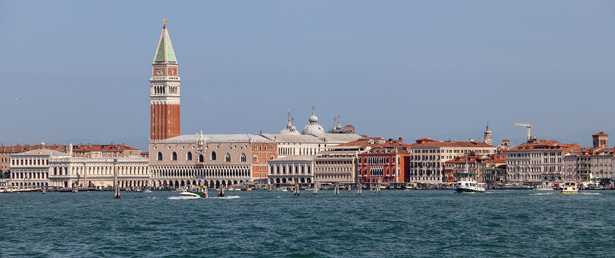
<point x="227" y="158"/>
<point x="189" y="156"/>
<point x="159" y="156"/>
<point x="174" y="156"/>
<point x="243" y="157"/>
<point x="213" y="155"/>
<point x="201" y="158"/>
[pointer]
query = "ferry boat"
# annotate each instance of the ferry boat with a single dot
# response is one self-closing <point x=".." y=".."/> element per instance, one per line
<point x="570" y="187"/>
<point x="466" y="182"/>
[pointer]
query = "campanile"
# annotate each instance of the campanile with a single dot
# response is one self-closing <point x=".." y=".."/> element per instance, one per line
<point x="164" y="91"/>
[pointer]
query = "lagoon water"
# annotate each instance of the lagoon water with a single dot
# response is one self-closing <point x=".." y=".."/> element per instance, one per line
<point x="276" y="224"/>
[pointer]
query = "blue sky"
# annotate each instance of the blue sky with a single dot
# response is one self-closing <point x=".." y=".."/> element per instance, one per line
<point x="412" y="69"/>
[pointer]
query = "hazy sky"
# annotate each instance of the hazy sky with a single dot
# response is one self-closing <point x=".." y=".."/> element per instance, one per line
<point x="412" y="69"/>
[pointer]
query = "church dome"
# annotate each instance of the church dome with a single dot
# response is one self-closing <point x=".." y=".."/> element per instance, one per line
<point x="290" y="127"/>
<point x="313" y="127"/>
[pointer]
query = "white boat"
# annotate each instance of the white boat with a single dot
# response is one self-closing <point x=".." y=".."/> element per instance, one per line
<point x="545" y="188"/>
<point x="570" y="187"/>
<point x="185" y="196"/>
<point x="466" y="182"/>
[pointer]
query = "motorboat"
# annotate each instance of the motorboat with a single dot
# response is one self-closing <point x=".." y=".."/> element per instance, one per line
<point x="185" y="196"/>
<point x="570" y="187"/>
<point x="466" y="182"/>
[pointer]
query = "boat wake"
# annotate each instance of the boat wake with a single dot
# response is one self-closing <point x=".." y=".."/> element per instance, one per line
<point x="225" y="197"/>
<point x="542" y="193"/>
<point x="590" y="193"/>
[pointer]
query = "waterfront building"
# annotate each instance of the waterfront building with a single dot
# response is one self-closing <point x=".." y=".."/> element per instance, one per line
<point x="458" y="164"/>
<point x="213" y="160"/>
<point x="31" y="168"/>
<point x="428" y="156"/>
<point x="164" y="91"/>
<point x="288" y="170"/>
<point x="493" y="169"/>
<point x="337" y="165"/>
<point x="51" y="168"/>
<point x="537" y="161"/>
<point x="489" y="169"/>
<point x="571" y="166"/>
<point x="595" y="164"/>
<point x="98" y="172"/>
<point x="79" y="150"/>
<point x="7" y="151"/>
<point x="385" y="161"/>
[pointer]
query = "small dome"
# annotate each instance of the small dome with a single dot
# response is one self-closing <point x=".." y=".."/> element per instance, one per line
<point x="313" y="127"/>
<point x="290" y="127"/>
<point x="289" y="131"/>
<point x="313" y="118"/>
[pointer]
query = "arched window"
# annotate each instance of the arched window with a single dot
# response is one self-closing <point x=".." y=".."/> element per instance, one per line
<point x="243" y="157"/>
<point x="227" y="158"/>
<point x="174" y="155"/>
<point x="189" y="157"/>
<point x="159" y="156"/>
<point x="201" y="158"/>
<point x="213" y="155"/>
<point x="255" y="158"/>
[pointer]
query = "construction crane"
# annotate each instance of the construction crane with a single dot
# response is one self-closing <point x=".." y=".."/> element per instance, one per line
<point x="529" y="126"/>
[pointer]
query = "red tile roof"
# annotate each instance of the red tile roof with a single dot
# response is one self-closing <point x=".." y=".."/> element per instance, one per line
<point x="546" y="145"/>
<point x="426" y="142"/>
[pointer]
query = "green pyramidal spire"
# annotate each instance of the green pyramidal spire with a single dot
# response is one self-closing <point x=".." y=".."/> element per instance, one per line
<point x="164" y="52"/>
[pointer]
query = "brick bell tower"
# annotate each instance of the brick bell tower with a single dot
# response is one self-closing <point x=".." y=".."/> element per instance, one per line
<point x="164" y="91"/>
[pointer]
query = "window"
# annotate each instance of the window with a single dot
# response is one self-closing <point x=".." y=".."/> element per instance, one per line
<point x="213" y="155"/>
<point x="227" y="158"/>
<point x="159" y="156"/>
<point x="189" y="157"/>
<point x="201" y="159"/>
<point x="255" y="158"/>
<point x="174" y="155"/>
<point x="243" y="157"/>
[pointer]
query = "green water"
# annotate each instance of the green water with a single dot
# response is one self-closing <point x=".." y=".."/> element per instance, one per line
<point x="276" y="224"/>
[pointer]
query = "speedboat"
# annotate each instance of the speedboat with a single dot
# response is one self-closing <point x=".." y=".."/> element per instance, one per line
<point x="570" y="187"/>
<point x="185" y="196"/>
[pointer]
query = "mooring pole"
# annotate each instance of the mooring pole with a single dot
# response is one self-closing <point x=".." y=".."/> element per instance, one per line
<point x="115" y="182"/>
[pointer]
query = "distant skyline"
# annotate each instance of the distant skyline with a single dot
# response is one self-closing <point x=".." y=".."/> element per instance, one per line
<point x="79" y="71"/>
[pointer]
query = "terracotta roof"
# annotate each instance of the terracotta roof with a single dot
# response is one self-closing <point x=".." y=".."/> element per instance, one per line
<point x="600" y="133"/>
<point x="101" y="147"/>
<point x="425" y="142"/>
<point x="546" y="145"/>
